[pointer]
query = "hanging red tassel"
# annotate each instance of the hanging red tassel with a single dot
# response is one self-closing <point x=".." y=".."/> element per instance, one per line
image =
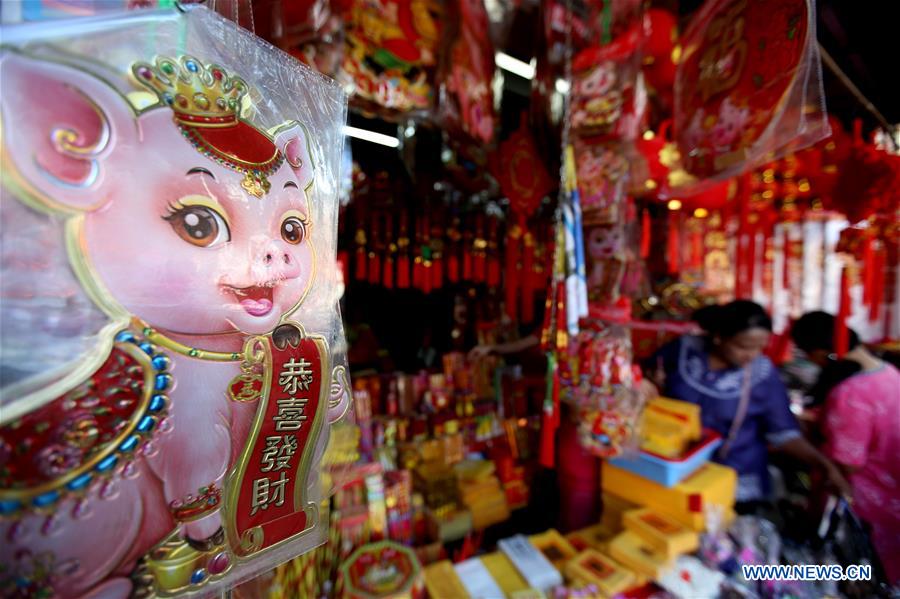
<point x="751" y="264"/>
<point x="512" y="278"/>
<point x="645" y="233"/>
<point x="674" y="244"/>
<point x="426" y="276"/>
<point x="374" y="268"/>
<point x="480" y="265"/>
<point x="480" y="251"/>
<point x="437" y="272"/>
<point x="696" y="249"/>
<point x="418" y="273"/>
<point x="493" y="269"/>
<point x="548" y="441"/>
<point x="403" y="270"/>
<point x="841" y="332"/>
<point x="343" y="259"/>
<point x="361" y="262"/>
<point x="878" y="278"/>
<point x="527" y="279"/>
<point x="453" y="266"/>
<point x="388" y="278"/>
<point x="868" y="270"/>
<point x="468" y="265"/>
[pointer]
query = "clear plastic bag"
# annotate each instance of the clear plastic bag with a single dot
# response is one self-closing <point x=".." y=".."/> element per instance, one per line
<point x="748" y="87"/>
<point x="605" y="391"/>
<point x="172" y="351"/>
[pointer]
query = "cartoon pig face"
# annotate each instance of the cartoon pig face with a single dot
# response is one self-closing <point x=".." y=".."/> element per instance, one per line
<point x="170" y="234"/>
<point x="599" y="81"/>
<point x="728" y="128"/>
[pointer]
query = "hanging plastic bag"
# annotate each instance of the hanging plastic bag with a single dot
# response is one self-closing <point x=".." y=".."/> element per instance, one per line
<point x="748" y="86"/>
<point x="391" y="54"/>
<point x="172" y="354"/>
<point x="467" y="100"/>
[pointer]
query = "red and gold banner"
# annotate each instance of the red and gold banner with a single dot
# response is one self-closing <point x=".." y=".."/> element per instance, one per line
<point x="268" y="502"/>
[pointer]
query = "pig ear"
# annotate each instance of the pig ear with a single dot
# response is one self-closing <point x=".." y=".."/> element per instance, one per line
<point x="293" y="140"/>
<point x="60" y="125"/>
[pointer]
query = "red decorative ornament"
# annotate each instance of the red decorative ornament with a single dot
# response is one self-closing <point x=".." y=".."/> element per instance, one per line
<point x="521" y="172"/>
<point x="740" y="60"/>
<point x="660" y="39"/>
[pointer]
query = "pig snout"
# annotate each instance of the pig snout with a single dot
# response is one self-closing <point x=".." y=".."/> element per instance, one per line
<point x="272" y="259"/>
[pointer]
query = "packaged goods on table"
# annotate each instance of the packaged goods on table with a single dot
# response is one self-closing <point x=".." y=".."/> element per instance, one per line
<point x="442" y="582"/>
<point x="593" y="537"/>
<point x="382" y="570"/>
<point x="665" y="535"/>
<point x="531" y="563"/>
<point x="555" y="548"/>
<point x="477" y="579"/>
<point x="504" y="573"/>
<point x="593" y="567"/>
<point x="631" y="551"/>
<point x="712" y="484"/>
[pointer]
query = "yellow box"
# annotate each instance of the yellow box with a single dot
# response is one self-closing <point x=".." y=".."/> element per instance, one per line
<point x="665" y="439"/>
<point x="635" y="554"/>
<point x="614" y="508"/>
<point x="662" y="533"/>
<point x="685" y="502"/>
<point x="686" y="414"/>
<point x="555" y="548"/>
<point x="504" y="573"/>
<point x="442" y="582"/>
<point x="593" y="567"/>
<point x="592" y="537"/>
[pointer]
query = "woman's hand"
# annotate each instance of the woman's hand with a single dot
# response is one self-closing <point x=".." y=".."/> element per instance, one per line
<point x="479" y="352"/>
<point x="648" y="390"/>
<point x="837" y="481"/>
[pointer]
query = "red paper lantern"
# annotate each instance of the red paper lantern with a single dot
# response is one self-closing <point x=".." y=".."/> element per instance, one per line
<point x="660" y="38"/>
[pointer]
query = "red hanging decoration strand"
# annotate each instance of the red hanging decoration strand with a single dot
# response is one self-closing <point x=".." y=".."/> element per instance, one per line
<point x="841" y="332"/>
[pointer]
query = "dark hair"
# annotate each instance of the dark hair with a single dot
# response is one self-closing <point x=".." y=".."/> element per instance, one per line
<point x="815" y="330"/>
<point x="733" y="318"/>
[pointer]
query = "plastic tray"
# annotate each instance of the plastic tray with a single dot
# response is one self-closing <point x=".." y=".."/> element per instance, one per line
<point x="669" y="472"/>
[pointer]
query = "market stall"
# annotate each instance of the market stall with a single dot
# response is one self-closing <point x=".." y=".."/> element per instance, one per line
<point x="443" y="298"/>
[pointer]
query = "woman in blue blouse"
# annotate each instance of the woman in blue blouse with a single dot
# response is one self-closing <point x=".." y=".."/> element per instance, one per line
<point x="715" y="371"/>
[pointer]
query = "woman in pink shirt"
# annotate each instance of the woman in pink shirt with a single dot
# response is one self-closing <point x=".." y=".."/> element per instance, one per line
<point x="862" y="430"/>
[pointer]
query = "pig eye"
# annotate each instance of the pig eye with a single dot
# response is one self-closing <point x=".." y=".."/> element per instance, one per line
<point x="293" y="230"/>
<point x="199" y="225"/>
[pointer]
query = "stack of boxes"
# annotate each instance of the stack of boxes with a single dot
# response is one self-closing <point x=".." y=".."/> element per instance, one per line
<point x="481" y="493"/>
<point x="671" y="485"/>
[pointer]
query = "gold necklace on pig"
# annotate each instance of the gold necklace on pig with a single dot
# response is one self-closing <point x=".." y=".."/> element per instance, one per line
<point x="154" y="336"/>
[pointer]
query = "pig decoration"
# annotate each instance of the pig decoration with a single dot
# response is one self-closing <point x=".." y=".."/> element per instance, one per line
<point x="172" y="349"/>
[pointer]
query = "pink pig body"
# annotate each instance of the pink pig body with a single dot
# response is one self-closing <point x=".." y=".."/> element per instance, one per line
<point x="142" y="171"/>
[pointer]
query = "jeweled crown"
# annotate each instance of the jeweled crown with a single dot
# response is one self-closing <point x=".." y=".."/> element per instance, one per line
<point x="201" y="95"/>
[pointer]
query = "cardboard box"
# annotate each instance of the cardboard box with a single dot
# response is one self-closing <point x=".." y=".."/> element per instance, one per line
<point x="530" y="563"/>
<point x="685" y="502"/>
<point x="448" y="524"/>
<point x="555" y="548"/>
<point x="662" y="533"/>
<point x="614" y="509"/>
<point x="593" y="537"/>
<point x="442" y="582"/>
<point x="668" y="427"/>
<point x="477" y="579"/>
<point x="592" y="567"/>
<point x="504" y="573"/>
<point x="635" y="554"/>
<point x="682" y="412"/>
